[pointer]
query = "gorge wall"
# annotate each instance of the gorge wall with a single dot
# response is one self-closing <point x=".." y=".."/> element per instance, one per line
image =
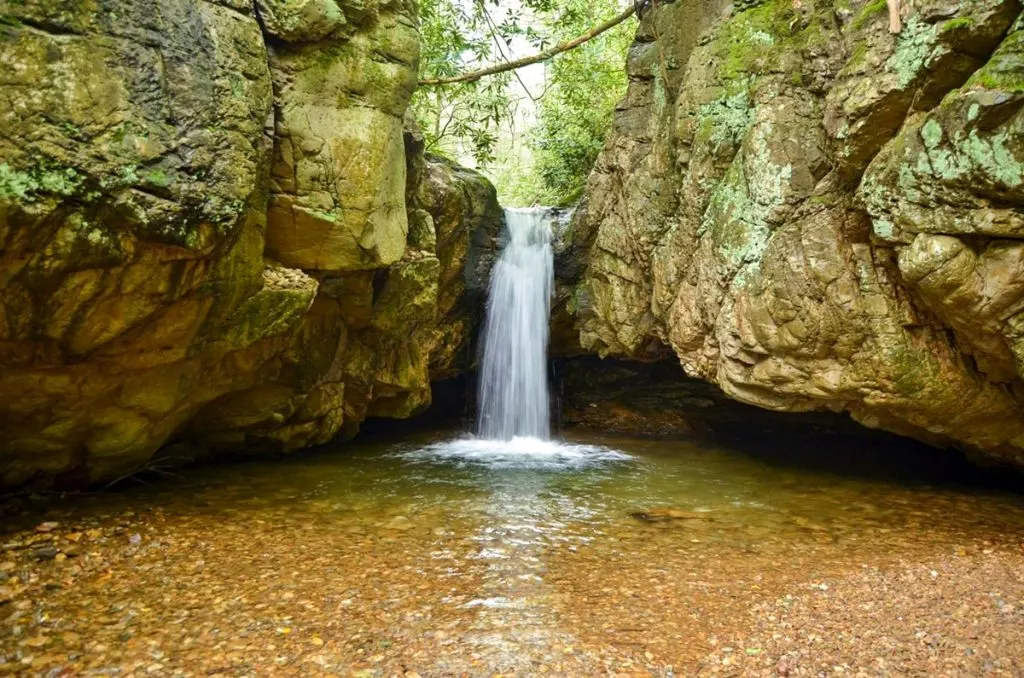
<point x="215" y="229"/>
<point x="218" y="232"/>
<point x="815" y="214"/>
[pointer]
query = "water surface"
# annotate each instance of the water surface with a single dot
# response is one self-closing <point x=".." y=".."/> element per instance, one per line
<point x="447" y="555"/>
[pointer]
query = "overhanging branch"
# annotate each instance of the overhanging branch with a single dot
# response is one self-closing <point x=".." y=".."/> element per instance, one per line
<point x="536" y="58"/>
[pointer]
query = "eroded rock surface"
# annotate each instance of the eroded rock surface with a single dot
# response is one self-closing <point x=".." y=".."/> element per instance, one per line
<point x="818" y="215"/>
<point x="204" y="232"/>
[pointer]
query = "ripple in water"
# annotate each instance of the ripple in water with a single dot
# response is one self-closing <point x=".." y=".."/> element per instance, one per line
<point x="519" y="453"/>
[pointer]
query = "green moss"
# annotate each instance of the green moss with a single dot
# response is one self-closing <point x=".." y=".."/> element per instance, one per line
<point x="959" y="22"/>
<point x="869" y="11"/>
<point x="914" y="370"/>
<point x="159" y="178"/>
<point x="126" y="129"/>
<point x="220" y="210"/>
<point x="572" y="304"/>
<point x="125" y="176"/>
<point x="765" y="38"/>
<point x="826" y="199"/>
<point x="1003" y="71"/>
<point x="742" y="42"/>
<point x="9" y="26"/>
<point x="1000" y="80"/>
<point x="267" y="313"/>
<point x="858" y="57"/>
<point x="71" y="130"/>
<point x="324" y="215"/>
<point x="44" y="178"/>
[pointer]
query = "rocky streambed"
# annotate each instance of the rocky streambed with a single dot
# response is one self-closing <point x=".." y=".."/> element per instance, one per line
<point x="604" y="556"/>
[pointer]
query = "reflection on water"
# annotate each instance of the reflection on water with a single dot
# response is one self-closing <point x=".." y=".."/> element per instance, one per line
<point x="463" y="553"/>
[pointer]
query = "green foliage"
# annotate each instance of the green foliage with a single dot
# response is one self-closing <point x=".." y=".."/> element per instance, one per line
<point x="573" y="114"/>
<point x="159" y="178"/>
<point x="576" y="112"/>
<point x="458" y="36"/>
<point x="45" y="177"/>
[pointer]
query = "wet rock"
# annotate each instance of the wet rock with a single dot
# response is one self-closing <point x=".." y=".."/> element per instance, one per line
<point x="401" y="523"/>
<point x="871" y="268"/>
<point x="261" y="271"/>
<point x="667" y="514"/>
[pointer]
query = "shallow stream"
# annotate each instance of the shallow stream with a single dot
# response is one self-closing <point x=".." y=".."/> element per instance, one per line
<point x="432" y="557"/>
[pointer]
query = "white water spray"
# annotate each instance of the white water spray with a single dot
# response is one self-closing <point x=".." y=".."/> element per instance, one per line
<point x="513" y="376"/>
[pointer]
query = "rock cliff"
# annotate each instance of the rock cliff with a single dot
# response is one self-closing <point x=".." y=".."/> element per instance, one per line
<point x="214" y="229"/>
<point x="816" y="214"/>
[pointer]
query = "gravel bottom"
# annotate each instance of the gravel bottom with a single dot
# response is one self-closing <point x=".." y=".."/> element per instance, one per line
<point x="954" y="616"/>
<point x="674" y="564"/>
<point x="152" y="595"/>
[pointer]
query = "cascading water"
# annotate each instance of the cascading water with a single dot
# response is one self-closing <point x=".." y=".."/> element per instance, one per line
<point x="513" y="394"/>
<point x="513" y="421"/>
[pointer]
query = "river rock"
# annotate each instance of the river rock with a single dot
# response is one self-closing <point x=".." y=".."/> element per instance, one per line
<point x="667" y="514"/>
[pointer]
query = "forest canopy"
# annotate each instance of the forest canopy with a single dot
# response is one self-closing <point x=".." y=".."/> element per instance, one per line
<point x="536" y="132"/>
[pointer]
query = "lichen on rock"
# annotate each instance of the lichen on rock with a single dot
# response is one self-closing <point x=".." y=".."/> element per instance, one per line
<point x="822" y="216"/>
<point x="203" y="231"/>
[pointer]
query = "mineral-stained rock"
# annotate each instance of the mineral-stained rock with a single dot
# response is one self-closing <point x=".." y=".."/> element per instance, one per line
<point x="455" y="212"/>
<point x="816" y="214"/>
<point x="145" y="294"/>
<point x="337" y="197"/>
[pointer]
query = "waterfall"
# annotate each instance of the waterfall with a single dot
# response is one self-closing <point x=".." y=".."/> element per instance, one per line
<point x="513" y="376"/>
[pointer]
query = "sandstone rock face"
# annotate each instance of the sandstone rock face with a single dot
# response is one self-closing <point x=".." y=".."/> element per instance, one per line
<point x="817" y="215"/>
<point x="337" y="195"/>
<point x="204" y="232"/>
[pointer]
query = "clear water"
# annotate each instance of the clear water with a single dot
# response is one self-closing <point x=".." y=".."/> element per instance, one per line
<point x="513" y="398"/>
<point x="453" y="555"/>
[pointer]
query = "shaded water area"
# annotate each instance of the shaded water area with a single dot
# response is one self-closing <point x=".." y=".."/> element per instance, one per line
<point x="426" y="557"/>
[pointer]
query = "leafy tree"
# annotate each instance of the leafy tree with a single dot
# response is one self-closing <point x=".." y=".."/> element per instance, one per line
<point x="458" y="35"/>
<point x="473" y="117"/>
<point x="576" y="113"/>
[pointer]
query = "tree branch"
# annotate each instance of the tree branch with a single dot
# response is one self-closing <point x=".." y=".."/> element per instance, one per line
<point x="536" y="58"/>
<point x="501" y="50"/>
